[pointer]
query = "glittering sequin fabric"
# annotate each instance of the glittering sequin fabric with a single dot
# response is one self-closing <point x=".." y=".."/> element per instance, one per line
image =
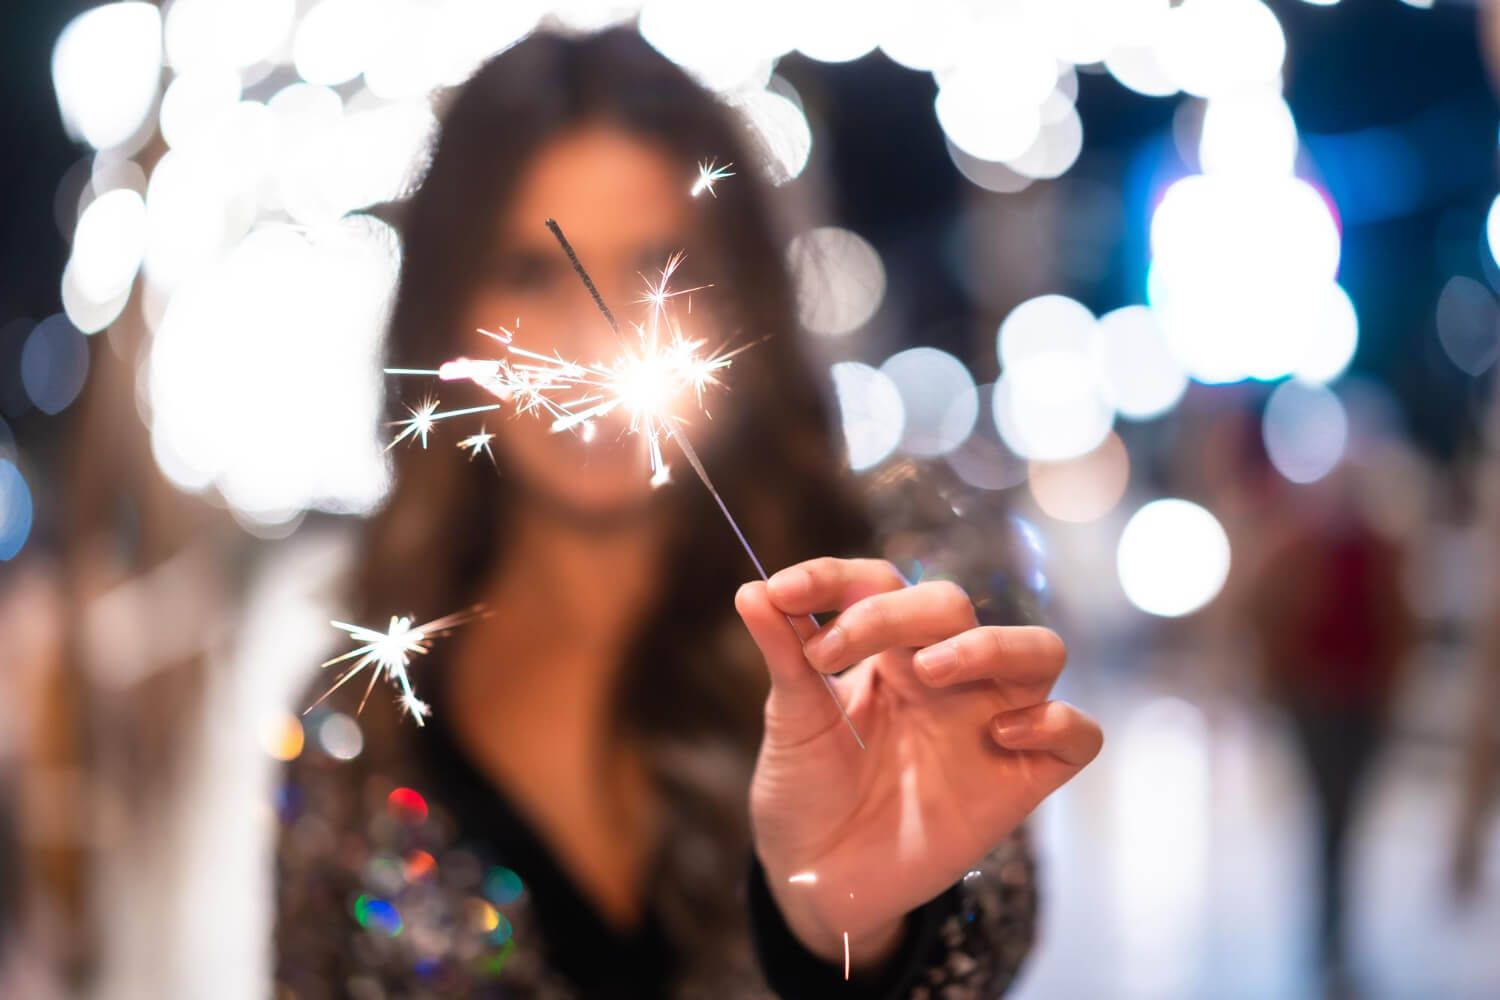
<point x="381" y="893"/>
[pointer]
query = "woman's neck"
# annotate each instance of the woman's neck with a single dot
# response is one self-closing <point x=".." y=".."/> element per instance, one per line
<point x="532" y="688"/>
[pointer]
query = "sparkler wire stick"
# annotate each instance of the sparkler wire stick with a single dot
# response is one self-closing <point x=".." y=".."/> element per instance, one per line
<point x="583" y="275"/>
<point x="692" y="456"/>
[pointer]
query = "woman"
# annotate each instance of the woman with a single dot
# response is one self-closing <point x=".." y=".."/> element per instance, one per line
<point x="571" y="820"/>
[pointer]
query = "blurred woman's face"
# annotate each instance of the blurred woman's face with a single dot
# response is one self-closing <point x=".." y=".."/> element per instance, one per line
<point x="623" y="205"/>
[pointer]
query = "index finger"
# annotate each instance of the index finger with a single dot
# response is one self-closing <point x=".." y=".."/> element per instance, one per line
<point x="830" y="584"/>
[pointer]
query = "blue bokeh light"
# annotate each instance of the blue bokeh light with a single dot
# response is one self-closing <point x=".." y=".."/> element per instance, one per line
<point x="15" y="510"/>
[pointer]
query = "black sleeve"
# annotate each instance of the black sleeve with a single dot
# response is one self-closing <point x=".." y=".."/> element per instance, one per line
<point x="793" y="972"/>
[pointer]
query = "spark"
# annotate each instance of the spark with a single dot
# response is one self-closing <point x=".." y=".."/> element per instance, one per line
<point x="659" y="291"/>
<point x="709" y="174"/>
<point x="804" y="878"/>
<point x="424" y="415"/>
<point x="653" y="418"/>
<point x="646" y="384"/>
<point x="388" y="654"/>
<point x="418" y="426"/>
<point x="846" y="956"/>
<point x="476" y="443"/>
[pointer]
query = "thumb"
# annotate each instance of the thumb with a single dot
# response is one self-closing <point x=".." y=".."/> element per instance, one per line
<point x="799" y="705"/>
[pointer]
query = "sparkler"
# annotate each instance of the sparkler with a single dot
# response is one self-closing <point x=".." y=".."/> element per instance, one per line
<point x="644" y="382"/>
<point x="647" y="395"/>
<point x="389" y="653"/>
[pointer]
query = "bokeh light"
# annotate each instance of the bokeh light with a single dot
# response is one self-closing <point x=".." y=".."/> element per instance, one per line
<point x="833" y="30"/>
<point x="194" y="101"/>
<point x="1057" y="144"/>
<point x="418" y="865"/>
<point x="378" y="915"/>
<point x="502" y="886"/>
<point x="1045" y="323"/>
<point x="1173" y="558"/>
<point x="54" y="364"/>
<point x="926" y="36"/>
<point x="840" y="280"/>
<point x="998" y="177"/>
<point x="1492" y="230"/>
<point x="984" y="461"/>
<point x="1305" y="429"/>
<point x="990" y="107"/>
<point x="1084" y="488"/>
<point x="780" y="126"/>
<point x="340" y="737"/>
<point x="483" y="916"/>
<point x="1142" y="376"/>
<point x="108" y="245"/>
<point x="870" y="411"/>
<point x="1139" y="68"/>
<point x="15" y="510"/>
<point x="407" y="805"/>
<point x="308" y="355"/>
<point x="1248" y="133"/>
<point x="1267" y="245"/>
<point x="225" y="35"/>
<point x="1330" y="330"/>
<point x="334" y="41"/>
<point x="1468" y="325"/>
<point x="1214" y="47"/>
<point x="106" y="69"/>
<point x="502" y="931"/>
<point x="727" y="47"/>
<point x="1052" y="406"/>
<point x="938" y="398"/>
<point x="282" y="737"/>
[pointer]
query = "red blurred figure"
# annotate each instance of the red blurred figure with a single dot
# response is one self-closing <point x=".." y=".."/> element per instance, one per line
<point x="1332" y="624"/>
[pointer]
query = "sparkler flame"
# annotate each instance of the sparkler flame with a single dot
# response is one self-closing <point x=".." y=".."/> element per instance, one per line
<point x="646" y="384"/>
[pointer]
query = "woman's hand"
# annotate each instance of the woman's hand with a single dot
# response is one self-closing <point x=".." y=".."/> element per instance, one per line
<point x="962" y="743"/>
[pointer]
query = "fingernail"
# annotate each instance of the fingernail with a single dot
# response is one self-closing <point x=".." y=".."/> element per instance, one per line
<point x="1008" y="730"/>
<point x="937" y="661"/>
<point x="825" y="648"/>
<point x="789" y="583"/>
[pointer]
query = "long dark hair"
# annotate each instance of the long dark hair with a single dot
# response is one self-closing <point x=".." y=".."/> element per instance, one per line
<point x="443" y="528"/>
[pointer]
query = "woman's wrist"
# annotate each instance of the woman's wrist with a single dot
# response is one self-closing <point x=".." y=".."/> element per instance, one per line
<point x="867" y="949"/>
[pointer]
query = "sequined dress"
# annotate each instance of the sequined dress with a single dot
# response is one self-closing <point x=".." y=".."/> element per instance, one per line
<point x="404" y="873"/>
